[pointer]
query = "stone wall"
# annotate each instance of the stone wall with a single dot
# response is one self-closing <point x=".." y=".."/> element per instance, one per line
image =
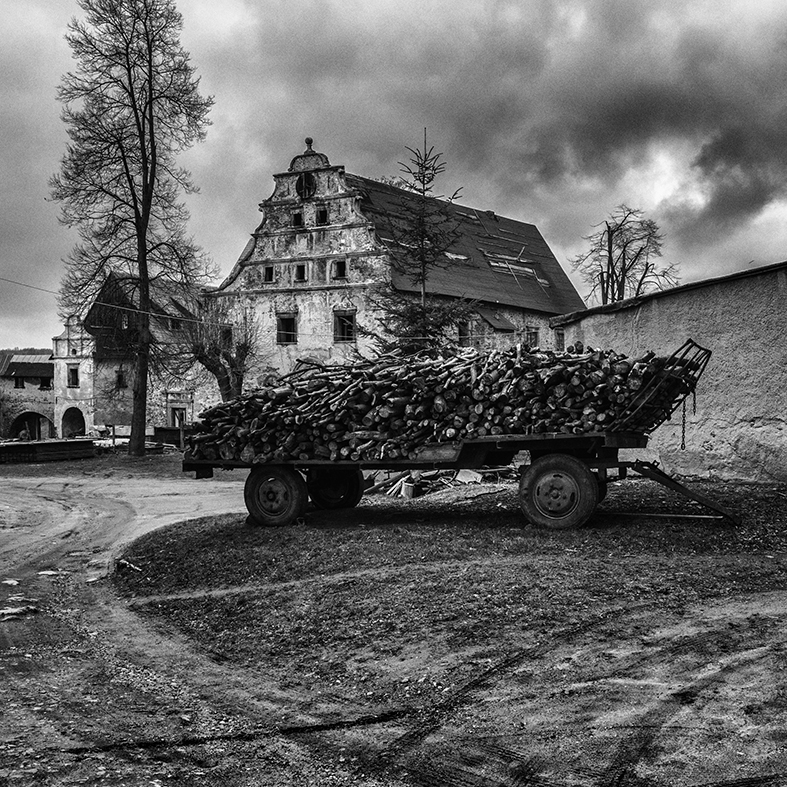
<point x="739" y="430"/>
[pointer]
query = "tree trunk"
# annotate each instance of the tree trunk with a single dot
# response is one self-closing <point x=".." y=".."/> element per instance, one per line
<point x="136" y="444"/>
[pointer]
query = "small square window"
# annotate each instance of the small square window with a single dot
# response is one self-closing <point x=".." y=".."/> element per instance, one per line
<point x="531" y="336"/>
<point x="267" y="274"/>
<point x="344" y="326"/>
<point x="73" y="377"/>
<point x="120" y="379"/>
<point x="19" y="382"/>
<point x="560" y="340"/>
<point x="297" y="219"/>
<point x="45" y="384"/>
<point x="300" y="272"/>
<point x="322" y="215"/>
<point x="286" y="329"/>
<point x="340" y="269"/>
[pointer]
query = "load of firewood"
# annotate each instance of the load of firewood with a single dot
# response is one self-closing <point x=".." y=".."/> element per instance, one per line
<point x="390" y="407"/>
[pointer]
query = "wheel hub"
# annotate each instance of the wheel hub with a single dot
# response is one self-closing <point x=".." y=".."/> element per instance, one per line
<point x="556" y="494"/>
<point x="273" y="496"/>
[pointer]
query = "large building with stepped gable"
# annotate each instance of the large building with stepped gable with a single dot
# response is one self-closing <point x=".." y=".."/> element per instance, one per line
<point x="322" y="248"/>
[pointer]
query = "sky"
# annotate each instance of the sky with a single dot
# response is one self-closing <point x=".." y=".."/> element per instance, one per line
<point x="549" y="112"/>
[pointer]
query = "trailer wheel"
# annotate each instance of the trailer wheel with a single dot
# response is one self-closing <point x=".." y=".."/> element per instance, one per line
<point x="335" y="487"/>
<point x="558" y="491"/>
<point x="275" y="495"/>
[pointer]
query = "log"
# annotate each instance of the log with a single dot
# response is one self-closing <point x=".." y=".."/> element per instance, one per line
<point x="391" y="407"/>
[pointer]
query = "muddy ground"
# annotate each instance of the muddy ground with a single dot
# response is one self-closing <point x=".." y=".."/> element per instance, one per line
<point x="438" y="641"/>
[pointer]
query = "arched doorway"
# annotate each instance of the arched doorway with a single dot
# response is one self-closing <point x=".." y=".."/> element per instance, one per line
<point x="38" y="426"/>
<point x="73" y="423"/>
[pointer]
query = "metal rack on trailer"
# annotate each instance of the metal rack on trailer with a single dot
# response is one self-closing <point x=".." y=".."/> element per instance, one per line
<point x="560" y="488"/>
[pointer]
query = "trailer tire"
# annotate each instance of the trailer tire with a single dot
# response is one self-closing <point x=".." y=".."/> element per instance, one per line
<point x="558" y="491"/>
<point x="274" y="495"/>
<point x="335" y="487"/>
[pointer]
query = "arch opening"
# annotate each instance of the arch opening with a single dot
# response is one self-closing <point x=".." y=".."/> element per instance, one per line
<point x="73" y="423"/>
<point x="31" y="425"/>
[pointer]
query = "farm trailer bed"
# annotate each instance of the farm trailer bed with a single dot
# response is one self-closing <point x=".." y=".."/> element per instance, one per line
<point x="566" y="479"/>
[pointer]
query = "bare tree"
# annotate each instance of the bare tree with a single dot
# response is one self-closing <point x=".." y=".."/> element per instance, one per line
<point x="621" y="261"/>
<point x="224" y="340"/>
<point x="131" y="105"/>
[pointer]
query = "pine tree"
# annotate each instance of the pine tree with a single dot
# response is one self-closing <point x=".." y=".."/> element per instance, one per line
<point x="422" y="231"/>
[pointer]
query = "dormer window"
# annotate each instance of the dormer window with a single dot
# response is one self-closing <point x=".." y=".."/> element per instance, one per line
<point x="322" y="216"/>
<point x="297" y="219"/>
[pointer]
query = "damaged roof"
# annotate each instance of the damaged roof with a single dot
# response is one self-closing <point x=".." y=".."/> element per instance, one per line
<point x="495" y="260"/>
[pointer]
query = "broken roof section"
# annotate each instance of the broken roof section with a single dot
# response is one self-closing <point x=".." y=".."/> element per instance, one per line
<point x="495" y="260"/>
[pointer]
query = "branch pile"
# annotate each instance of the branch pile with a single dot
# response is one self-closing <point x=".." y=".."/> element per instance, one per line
<point x="391" y="407"/>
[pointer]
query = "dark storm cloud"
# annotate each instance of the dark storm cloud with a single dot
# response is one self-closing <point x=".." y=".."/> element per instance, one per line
<point x="551" y="112"/>
<point x="541" y="98"/>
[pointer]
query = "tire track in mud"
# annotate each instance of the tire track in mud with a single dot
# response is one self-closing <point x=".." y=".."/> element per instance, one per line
<point x="433" y="717"/>
<point x="631" y="750"/>
<point x="380" y="572"/>
<point x="451" y="771"/>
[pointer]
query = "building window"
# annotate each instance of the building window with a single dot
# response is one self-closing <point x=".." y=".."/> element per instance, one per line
<point x="344" y="326"/>
<point x="73" y="377"/>
<point x="300" y="272"/>
<point x="306" y="185"/>
<point x="531" y="336"/>
<point x="297" y="219"/>
<point x="322" y="215"/>
<point x="226" y="338"/>
<point x="340" y="269"/>
<point x="45" y="384"/>
<point x="286" y="329"/>
<point x="19" y="382"/>
<point x="120" y="379"/>
<point x="464" y="333"/>
<point x="267" y="274"/>
<point x="560" y="340"/>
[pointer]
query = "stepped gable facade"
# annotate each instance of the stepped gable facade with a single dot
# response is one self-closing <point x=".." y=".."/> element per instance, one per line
<point x="322" y="248"/>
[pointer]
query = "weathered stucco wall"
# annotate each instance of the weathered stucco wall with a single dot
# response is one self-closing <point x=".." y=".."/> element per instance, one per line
<point x="17" y="401"/>
<point x="740" y="426"/>
<point x="483" y="336"/>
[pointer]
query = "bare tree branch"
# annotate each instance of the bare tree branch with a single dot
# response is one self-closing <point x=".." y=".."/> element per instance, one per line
<point x="620" y="262"/>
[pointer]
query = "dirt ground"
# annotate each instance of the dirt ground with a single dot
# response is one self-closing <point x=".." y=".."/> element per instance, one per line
<point x="148" y="636"/>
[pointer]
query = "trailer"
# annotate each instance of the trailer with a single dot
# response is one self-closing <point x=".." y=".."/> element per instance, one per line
<point x="560" y="486"/>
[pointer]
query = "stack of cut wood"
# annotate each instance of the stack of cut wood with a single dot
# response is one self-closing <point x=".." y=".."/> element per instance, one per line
<point x="391" y="407"/>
